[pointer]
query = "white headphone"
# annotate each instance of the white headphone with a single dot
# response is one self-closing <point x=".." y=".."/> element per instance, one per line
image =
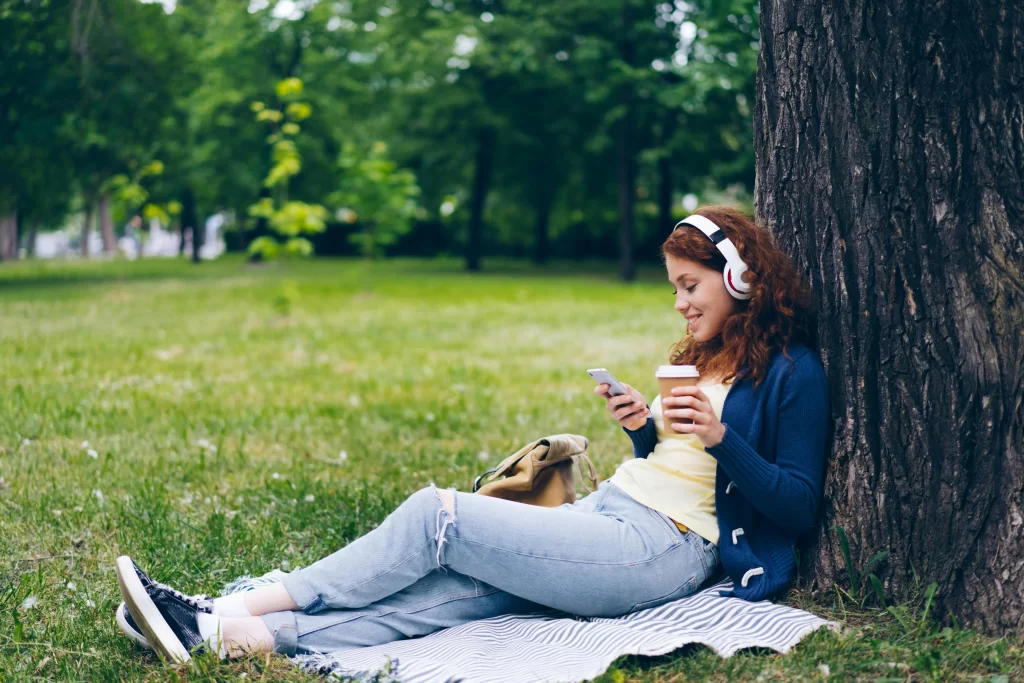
<point x="734" y="265"/>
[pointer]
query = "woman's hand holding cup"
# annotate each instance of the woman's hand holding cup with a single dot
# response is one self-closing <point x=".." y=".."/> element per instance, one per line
<point x="629" y="410"/>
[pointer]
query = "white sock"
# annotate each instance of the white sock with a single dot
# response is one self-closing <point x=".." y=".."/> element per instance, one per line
<point x="232" y="605"/>
<point x="211" y="629"/>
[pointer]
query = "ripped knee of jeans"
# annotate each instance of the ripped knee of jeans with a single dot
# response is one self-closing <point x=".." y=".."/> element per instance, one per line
<point x="445" y="517"/>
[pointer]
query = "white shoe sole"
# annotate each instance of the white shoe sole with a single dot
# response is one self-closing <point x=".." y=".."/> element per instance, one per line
<point x="133" y="635"/>
<point x="146" y="614"/>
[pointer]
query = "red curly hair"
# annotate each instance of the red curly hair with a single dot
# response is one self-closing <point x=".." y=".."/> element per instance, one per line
<point x="780" y="311"/>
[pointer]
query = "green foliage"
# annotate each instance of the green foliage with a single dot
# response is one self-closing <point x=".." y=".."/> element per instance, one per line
<point x="378" y="195"/>
<point x="290" y="219"/>
<point x="133" y="196"/>
<point x="225" y="97"/>
<point x="856" y="592"/>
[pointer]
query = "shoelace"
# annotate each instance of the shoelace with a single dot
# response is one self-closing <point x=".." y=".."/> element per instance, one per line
<point x="203" y="603"/>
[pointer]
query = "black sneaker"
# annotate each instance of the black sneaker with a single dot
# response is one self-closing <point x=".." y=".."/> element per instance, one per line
<point x="126" y="622"/>
<point x="168" y="618"/>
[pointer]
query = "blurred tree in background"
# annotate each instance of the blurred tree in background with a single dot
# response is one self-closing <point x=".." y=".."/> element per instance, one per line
<point x="511" y="127"/>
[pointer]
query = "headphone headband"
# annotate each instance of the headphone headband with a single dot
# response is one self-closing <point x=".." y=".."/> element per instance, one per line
<point x="735" y="266"/>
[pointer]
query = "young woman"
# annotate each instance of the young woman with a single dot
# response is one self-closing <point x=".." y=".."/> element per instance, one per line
<point x="733" y="489"/>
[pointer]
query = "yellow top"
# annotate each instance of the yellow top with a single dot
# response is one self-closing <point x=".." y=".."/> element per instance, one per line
<point x="678" y="478"/>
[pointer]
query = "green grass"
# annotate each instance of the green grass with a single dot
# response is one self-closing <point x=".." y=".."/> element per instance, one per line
<point x="431" y="376"/>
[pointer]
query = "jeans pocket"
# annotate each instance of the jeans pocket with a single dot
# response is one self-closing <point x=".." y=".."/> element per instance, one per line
<point x="673" y="534"/>
<point x="688" y="588"/>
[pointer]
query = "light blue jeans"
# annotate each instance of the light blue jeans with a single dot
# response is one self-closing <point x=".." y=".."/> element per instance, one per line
<point x="423" y="569"/>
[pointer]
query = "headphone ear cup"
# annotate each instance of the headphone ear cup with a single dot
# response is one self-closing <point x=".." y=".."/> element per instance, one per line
<point x="730" y="287"/>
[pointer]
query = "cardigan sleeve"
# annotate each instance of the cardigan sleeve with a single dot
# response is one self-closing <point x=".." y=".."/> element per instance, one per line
<point x="787" y="491"/>
<point x="644" y="439"/>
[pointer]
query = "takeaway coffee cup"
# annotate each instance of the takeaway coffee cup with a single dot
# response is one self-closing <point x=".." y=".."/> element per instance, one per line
<point x="672" y="376"/>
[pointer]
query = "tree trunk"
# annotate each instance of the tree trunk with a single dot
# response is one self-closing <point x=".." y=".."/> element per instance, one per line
<point x="179" y="225"/>
<point x="665" y="190"/>
<point x="9" y="236"/>
<point x="106" y="225"/>
<point x="33" y="235"/>
<point x="190" y="219"/>
<point x="87" y="227"/>
<point x="541" y="245"/>
<point x="544" y="198"/>
<point x="625" y="163"/>
<point x="481" y="186"/>
<point x="626" y="179"/>
<point x="890" y="164"/>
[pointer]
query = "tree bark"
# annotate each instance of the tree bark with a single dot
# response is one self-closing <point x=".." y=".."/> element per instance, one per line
<point x="87" y="227"/>
<point x="481" y="186"/>
<point x="106" y="225"/>
<point x="9" y="236"/>
<point x="890" y="164"/>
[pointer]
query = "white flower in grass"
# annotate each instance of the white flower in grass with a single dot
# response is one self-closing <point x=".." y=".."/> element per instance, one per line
<point x="85" y="444"/>
<point x="89" y="603"/>
<point x="206" y="500"/>
<point x="93" y="454"/>
<point x="430" y="417"/>
<point x="72" y="586"/>
<point x="483" y="455"/>
<point x="79" y="508"/>
<point x="309" y="498"/>
<point x="275" y="475"/>
<point x="353" y="401"/>
<point x="57" y="513"/>
<point x="825" y="671"/>
<point x="285" y="565"/>
<point x="26" y="442"/>
<point x="30" y="602"/>
<point x="98" y="494"/>
<point x="343" y="456"/>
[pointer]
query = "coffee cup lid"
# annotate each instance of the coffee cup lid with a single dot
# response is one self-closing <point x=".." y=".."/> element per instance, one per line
<point x="677" y="371"/>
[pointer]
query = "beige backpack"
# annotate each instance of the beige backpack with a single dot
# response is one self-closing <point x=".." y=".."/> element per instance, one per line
<point x="541" y="473"/>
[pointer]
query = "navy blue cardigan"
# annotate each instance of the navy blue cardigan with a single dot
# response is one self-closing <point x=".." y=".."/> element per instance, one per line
<point x="770" y="468"/>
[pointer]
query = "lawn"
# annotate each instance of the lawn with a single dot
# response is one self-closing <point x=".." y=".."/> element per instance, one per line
<point x="231" y="419"/>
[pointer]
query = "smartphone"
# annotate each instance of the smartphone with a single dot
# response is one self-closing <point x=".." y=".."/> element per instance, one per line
<point x="602" y="376"/>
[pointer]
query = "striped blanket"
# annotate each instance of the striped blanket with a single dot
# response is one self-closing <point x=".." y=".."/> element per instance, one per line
<point x="558" y="648"/>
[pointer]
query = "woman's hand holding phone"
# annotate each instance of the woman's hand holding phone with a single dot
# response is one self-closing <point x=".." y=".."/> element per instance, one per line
<point x="629" y="410"/>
